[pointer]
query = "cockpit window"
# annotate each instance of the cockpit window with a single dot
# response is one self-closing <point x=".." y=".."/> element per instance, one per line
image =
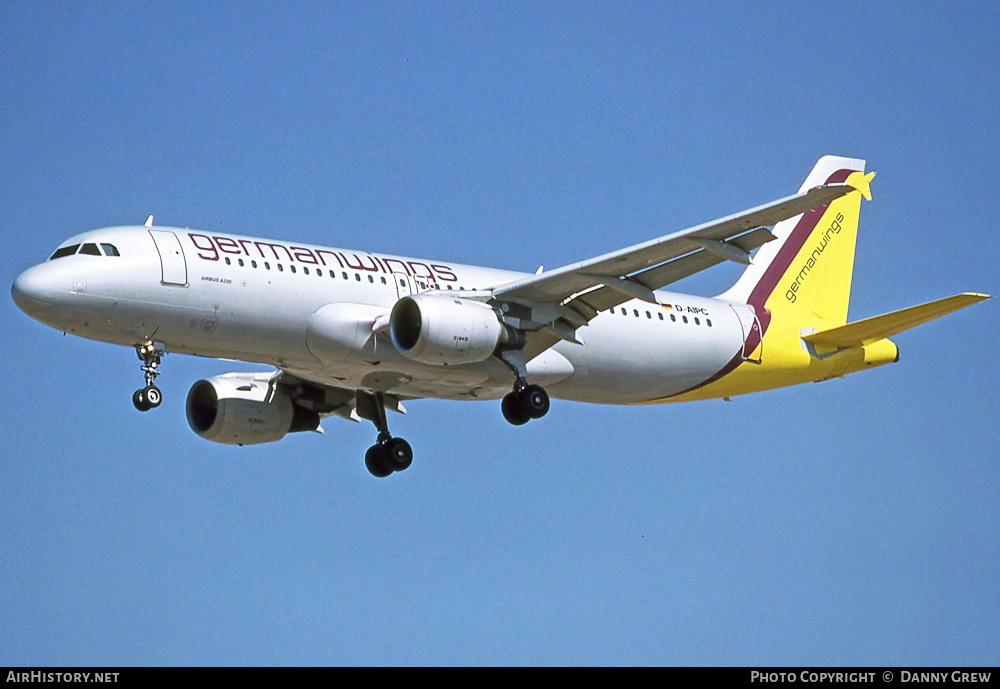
<point x="89" y="248"/>
<point x="64" y="251"/>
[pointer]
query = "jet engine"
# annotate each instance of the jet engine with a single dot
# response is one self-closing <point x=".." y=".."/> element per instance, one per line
<point x="439" y="329"/>
<point x="235" y="409"/>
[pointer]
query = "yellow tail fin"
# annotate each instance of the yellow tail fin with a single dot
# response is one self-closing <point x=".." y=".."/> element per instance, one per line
<point x="805" y="276"/>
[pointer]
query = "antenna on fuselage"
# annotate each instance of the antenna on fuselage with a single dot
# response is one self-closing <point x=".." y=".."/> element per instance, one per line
<point x="149" y="221"/>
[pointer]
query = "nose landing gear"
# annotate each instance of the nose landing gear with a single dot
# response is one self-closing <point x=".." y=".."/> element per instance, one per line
<point x="150" y="396"/>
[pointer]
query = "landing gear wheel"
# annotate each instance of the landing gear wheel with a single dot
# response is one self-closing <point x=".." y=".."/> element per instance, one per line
<point x="534" y="401"/>
<point x="150" y="396"/>
<point x="375" y="460"/>
<point x="398" y="454"/>
<point x="388" y="454"/>
<point x="513" y="410"/>
<point x="153" y="397"/>
<point x="139" y="400"/>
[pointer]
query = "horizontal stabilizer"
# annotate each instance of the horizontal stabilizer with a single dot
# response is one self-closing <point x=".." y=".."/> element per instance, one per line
<point x="869" y="330"/>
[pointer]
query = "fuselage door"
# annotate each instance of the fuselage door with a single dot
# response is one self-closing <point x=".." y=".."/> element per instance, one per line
<point x="172" y="263"/>
<point x="405" y="284"/>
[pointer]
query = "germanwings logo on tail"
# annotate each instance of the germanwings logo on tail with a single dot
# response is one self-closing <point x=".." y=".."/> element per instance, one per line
<point x="824" y="240"/>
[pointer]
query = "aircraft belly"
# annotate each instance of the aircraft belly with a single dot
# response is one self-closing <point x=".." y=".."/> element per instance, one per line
<point x="372" y="362"/>
<point x="411" y="379"/>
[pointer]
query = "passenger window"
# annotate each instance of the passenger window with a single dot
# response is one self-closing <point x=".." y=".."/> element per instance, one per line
<point x="228" y="261"/>
<point x="267" y="265"/>
<point x="696" y="321"/>
<point x="371" y="279"/>
<point x="660" y="314"/>
<point x="90" y="250"/>
<point x="304" y="270"/>
<point x="636" y="312"/>
<point x="345" y="274"/>
<point x="383" y="280"/>
<point x="684" y="318"/>
<point x="292" y="267"/>
<point x="708" y="322"/>
<point x="357" y="276"/>
<point x="110" y="250"/>
<point x="240" y="261"/>
<point x="281" y="268"/>
<point x="673" y="318"/>
<point x="649" y="315"/>
<point x="332" y="274"/>
<point x="64" y="251"/>
<point x="253" y="263"/>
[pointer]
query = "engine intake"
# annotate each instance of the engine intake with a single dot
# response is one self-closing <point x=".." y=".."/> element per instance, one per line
<point x="233" y="409"/>
<point x="444" y="330"/>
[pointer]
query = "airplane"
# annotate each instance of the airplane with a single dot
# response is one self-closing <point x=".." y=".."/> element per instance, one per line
<point x="355" y="334"/>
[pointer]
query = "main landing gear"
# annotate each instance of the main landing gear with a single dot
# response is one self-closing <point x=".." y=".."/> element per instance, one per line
<point x="150" y="396"/>
<point x="524" y="403"/>
<point x="388" y="454"/>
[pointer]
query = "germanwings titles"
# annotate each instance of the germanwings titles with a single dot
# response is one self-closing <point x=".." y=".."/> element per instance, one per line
<point x="356" y="334"/>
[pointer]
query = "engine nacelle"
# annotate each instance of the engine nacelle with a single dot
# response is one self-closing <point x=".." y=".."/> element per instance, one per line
<point x="342" y="330"/>
<point x="233" y="409"/>
<point x="439" y="329"/>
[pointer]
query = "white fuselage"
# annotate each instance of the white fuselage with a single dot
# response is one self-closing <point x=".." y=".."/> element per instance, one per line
<point x="257" y="300"/>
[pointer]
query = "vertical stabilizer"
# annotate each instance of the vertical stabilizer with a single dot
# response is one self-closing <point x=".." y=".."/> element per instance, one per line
<point x="806" y="272"/>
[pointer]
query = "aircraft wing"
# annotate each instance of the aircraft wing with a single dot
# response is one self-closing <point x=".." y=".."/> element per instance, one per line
<point x="551" y="306"/>
<point x="330" y="400"/>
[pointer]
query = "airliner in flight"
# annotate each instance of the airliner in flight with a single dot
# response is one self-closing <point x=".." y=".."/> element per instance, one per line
<point x="357" y="333"/>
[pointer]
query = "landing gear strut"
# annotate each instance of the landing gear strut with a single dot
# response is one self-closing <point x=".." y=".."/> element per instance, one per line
<point x="388" y="454"/>
<point x="524" y="402"/>
<point x="150" y="396"/>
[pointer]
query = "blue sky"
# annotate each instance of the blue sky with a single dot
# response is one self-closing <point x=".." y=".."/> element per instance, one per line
<point x="851" y="522"/>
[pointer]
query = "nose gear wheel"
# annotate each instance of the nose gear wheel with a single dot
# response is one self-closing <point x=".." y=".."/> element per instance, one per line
<point x="150" y="396"/>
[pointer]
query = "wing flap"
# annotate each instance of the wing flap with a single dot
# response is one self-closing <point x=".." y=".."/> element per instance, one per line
<point x="865" y="332"/>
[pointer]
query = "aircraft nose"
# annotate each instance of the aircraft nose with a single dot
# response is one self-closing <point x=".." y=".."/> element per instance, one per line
<point x="32" y="291"/>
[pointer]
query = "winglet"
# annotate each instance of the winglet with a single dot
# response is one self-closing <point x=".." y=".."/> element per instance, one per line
<point x="861" y="182"/>
<point x="149" y="221"/>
